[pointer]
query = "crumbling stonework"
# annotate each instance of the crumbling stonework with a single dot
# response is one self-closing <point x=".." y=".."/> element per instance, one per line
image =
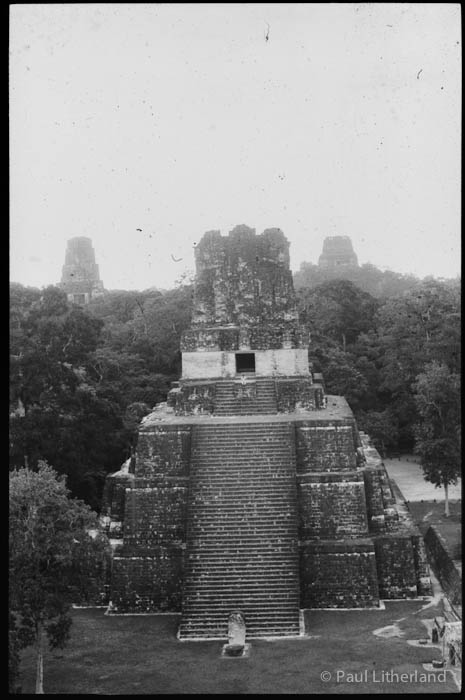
<point x="80" y="277"/>
<point x="251" y="489"/>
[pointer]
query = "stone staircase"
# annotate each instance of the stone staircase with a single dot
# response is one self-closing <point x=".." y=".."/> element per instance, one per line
<point x="228" y="404"/>
<point x="241" y="550"/>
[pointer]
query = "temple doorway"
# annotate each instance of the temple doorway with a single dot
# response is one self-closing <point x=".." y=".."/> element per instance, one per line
<point x="245" y="362"/>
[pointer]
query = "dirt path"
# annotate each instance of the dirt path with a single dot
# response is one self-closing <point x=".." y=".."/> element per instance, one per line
<point x="408" y="475"/>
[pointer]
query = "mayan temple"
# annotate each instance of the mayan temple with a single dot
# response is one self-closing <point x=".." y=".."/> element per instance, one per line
<point x="337" y="251"/>
<point x="251" y="490"/>
<point x="80" y="277"/>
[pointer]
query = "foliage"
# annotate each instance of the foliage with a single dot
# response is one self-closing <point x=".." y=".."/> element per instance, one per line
<point x="75" y="371"/>
<point x="415" y="328"/>
<point x="57" y="412"/>
<point x="373" y="352"/>
<point x="370" y="279"/>
<point x="382" y="428"/>
<point x="337" y="310"/>
<point x="437" y="434"/>
<point x="52" y="557"/>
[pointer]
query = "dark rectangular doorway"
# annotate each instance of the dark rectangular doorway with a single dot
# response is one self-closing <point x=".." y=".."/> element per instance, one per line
<point x="245" y="362"/>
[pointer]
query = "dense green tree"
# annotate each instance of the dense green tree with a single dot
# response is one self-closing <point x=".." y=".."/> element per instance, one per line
<point x="54" y="549"/>
<point x="437" y="433"/>
<point x="382" y="428"/>
<point x="337" y="310"/>
<point x="56" y="410"/>
<point x="147" y="325"/>
<point x="415" y="328"/>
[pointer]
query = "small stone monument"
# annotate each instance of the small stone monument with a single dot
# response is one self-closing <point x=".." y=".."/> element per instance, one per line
<point x="236" y="635"/>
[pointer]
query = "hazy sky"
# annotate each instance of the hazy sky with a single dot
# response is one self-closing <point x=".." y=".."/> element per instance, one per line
<point x="320" y="119"/>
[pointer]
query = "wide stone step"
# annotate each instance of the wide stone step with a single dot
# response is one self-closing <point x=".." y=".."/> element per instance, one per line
<point x="217" y="488"/>
<point x="240" y="448"/>
<point x="247" y="466"/>
<point x="222" y="636"/>
<point x="236" y="573"/>
<point x="289" y="630"/>
<point x="237" y="458"/>
<point x="261" y="429"/>
<point x="269" y="616"/>
<point x="202" y="535"/>
<point x="241" y="548"/>
<point x="257" y="622"/>
<point x="205" y="608"/>
<point x="199" y="547"/>
<point x="211" y="554"/>
<point x="233" y="485"/>
<point x="211" y="562"/>
<point x="266" y="512"/>
<point x="275" y="594"/>
<point x="285" y="536"/>
<point x="228" y="518"/>
<point x="255" y="412"/>
<point x="256" y="608"/>
<point x="266" y="397"/>
<point x="253" y="579"/>
<point x="262" y="435"/>
<point x="246" y="526"/>
<point x="236" y="576"/>
<point x="240" y="527"/>
<point x="219" y="594"/>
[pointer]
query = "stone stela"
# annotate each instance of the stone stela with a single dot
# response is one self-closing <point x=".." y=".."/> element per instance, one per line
<point x="252" y="490"/>
<point x="236" y="636"/>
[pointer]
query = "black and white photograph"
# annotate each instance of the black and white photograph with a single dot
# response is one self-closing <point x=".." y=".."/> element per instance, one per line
<point x="235" y="348"/>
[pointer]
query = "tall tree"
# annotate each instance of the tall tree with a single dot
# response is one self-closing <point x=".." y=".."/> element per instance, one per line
<point x="437" y="434"/>
<point x="337" y="310"/>
<point x="54" y="550"/>
<point x="57" y="412"/>
<point x="413" y="329"/>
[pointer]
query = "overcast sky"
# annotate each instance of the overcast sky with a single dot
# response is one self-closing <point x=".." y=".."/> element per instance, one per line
<point x="319" y="119"/>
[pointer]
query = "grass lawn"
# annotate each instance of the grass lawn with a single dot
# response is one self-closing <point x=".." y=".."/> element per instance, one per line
<point x="140" y="655"/>
<point x="426" y="513"/>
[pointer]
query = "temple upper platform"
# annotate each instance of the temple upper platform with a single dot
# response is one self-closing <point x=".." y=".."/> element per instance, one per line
<point x="245" y="318"/>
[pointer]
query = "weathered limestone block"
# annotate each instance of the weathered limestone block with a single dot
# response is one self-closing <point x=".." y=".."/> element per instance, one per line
<point x="395" y="561"/>
<point x="444" y="566"/>
<point x="147" y="583"/>
<point x="338" y="574"/>
<point x="243" y="278"/>
<point x="114" y="500"/>
<point x="374" y="500"/>
<point x="325" y="446"/>
<point x="154" y="515"/>
<point x="332" y="505"/>
<point x="195" y="398"/>
<point x="296" y="394"/>
<point x="163" y="451"/>
<point x="421" y="565"/>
